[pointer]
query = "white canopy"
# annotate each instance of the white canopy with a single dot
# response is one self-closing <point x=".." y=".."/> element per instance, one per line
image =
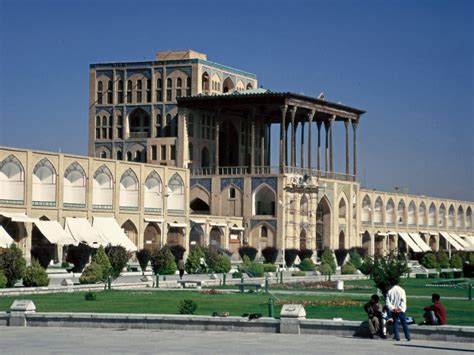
<point x="81" y="231"/>
<point x="410" y="242"/>
<point x="178" y="225"/>
<point x="54" y="233"/>
<point x="451" y="240"/>
<point x="470" y="240"/>
<point x="155" y="220"/>
<point x="109" y="230"/>
<point x="421" y="243"/>
<point x="5" y="240"/>
<point x="237" y="228"/>
<point x="18" y="217"/>
<point x="460" y="241"/>
<point x="218" y="224"/>
<point x="198" y="221"/>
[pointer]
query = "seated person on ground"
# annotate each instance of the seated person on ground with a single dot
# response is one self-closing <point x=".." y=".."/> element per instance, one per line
<point x="435" y="314"/>
<point x="374" y="311"/>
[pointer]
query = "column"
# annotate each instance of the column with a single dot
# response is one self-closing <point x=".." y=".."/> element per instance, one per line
<point x="262" y="144"/>
<point x="319" y="123"/>
<point x="355" y="123"/>
<point x="310" y="138"/>
<point x="331" y="161"/>
<point x="293" y="138"/>
<point x="282" y="138"/>
<point x="252" y="149"/>
<point x="346" y="125"/>
<point x="302" y="145"/>
<point x="326" y="151"/>
<point x="216" y="158"/>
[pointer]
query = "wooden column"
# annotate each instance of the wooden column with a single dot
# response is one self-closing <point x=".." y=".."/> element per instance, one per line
<point x="252" y="142"/>
<point x="293" y="137"/>
<point x="355" y="123"/>
<point x="310" y="138"/>
<point x="326" y="151"/>
<point x="331" y="161"/>
<point x="216" y="157"/>
<point x="283" y="138"/>
<point x="302" y="145"/>
<point x="346" y="125"/>
<point x="319" y="123"/>
<point x="262" y="144"/>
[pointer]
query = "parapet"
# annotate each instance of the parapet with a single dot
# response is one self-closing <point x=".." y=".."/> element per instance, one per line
<point x="180" y="54"/>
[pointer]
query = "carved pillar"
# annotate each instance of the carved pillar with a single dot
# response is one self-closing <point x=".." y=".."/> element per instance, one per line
<point x="355" y="123"/>
<point x="293" y="137"/>
<point x="282" y="138"/>
<point x="310" y="138"/>
<point x="216" y="158"/>
<point x="346" y="125"/>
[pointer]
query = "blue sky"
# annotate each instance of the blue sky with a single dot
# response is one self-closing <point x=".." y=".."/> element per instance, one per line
<point x="408" y="63"/>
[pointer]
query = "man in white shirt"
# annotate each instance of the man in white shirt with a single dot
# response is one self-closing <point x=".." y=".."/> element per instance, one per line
<point x="396" y="303"/>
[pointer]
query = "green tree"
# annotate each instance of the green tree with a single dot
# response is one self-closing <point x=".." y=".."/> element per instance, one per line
<point x="101" y="259"/>
<point x="388" y="270"/>
<point x="12" y="264"/>
<point x="162" y="261"/>
<point x="348" y="268"/>
<point x="356" y="259"/>
<point x="429" y="261"/>
<point x="118" y="257"/>
<point x="92" y="274"/>
<point x="307" y="265"/>
<point x="35" y="275"/>
<point x="456" y="261"/>
<point x="367" y="266"/>
<point x="222" y="265"/>
<point x="443" y="259"/>
<point x="3" y="280"/>
<point x="193" y="261"/>
<point x="328" y="259"/>
<point x="143" y="257"/>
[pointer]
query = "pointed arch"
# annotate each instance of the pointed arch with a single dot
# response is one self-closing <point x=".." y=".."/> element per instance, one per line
<point x="205" y="81"/>
<point x="264" y="201"/>
<point x="342" y="240"/>
<point x="152" y="237"/>
<point x="366" y="209"/>
<point x="469" y="217"/>
<point x="228" y="85"/>
<point x="422" y="214"/>
<point x="103" y="189"/>
<point x="74" y="186"/>
<point x="323" y="224"/>
<point x="367" y="242"/>
<point x="411" y="220"/>
<point x="196" y="237"/>
<point x="12" y="179"/>
<point x="432" y="215"/>
<point x="390" y="212"/>
<point x="129" y="191"/>
<point x="199" y="206"/>
<point x="378" y="210"/>
<point x="175" y="235"/>
<point x="303" y="239"/>
<point x="153" y="193"/>
<point x="304" y="206"/>
<point x="215" y="238"/>
<point x="442" y="216"/>
<point x="401" y="212"/>
<point x="460" y="217"/>
<point x="451" y="217"/>
<point x="176" y="194"/>
<point x="263" y="235"/>
<point x="44" y="184"/>
<point x="130" y="231"/>
<point x="343" y="207"/>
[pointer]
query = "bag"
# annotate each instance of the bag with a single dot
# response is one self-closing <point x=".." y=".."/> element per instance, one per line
<point x="410" y="320"/>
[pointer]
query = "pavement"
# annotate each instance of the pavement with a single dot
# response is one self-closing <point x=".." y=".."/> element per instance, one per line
<point x="15" y="340"/>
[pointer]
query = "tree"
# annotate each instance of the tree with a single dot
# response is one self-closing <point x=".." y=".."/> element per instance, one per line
<point x="193" y="261"/>
<point x="290" y="256"/>
<point x="92" y="274"/>
<point x="222" y="265"/>
<point x="429" y="261"/>
<point x="101" y="259"/>
<point x="356" y="259"/>
<point x="443" y="259"/>
<point x="118" y="257"/>
<point x="328" y="259"/>
<point x="388" y="270"/>
<point x="79" y="256"/>
<point x="251" y="252"/>
<point x="456" y="261"/>
<point x="270" y="254"/>
<point x="210" y="255"/>
<point x="307" y="265"/>
<point x="12" y="264"/>
<point x="143" y="257"/>
<point x="35" y="275"/>
<point x="162" y="261"/>
<point x="178" y="252"/>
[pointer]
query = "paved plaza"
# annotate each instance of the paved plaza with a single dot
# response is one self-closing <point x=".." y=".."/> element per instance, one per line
<point x="123" y="341"/>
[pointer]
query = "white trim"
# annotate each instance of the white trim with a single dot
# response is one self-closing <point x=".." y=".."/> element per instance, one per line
<point x="198" y="221"/>
<point x="177" y="225"/>
<point x="155" y="220"/>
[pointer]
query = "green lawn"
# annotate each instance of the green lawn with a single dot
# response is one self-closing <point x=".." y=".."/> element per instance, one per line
<point x="460" y="312"/>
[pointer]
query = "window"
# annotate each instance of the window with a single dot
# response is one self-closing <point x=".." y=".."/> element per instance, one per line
<point x="158" y="125"/>
<point x="119" y="127"/>
<point x="129" y="156"/>
<point x="232" y="192"/>
<point x="129" y="91"/>
<point x="103" y="155"/>
<point x="188" y="86"/>
<point x="97" y="121"/>
<point x="169" y="83"/>
<point x="97" y="133"/>
<point x="159" y="92"/>
<point x="139" y="96"/>
<point x="178" y="93"/>
<point x="191" y="151"/>
<point x="139" y="84"/>
<point x="168" y="95"/>
<point x="163" y="152"/>
<point x="119" y="155"/>
<point x="110" y="92"/>
<point x="190" y="125"/>
<point x="154" y="155"/>
<point x="100" y="88"/>
<point x="173" y="152"/>
<point x="148" y="90"/>
<point x="179" y="82"/>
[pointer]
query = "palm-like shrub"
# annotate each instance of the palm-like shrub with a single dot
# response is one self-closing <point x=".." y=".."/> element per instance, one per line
<point x="35" y="275"/>
<point x="12" y="264"/>
<point x="162" y="261"/>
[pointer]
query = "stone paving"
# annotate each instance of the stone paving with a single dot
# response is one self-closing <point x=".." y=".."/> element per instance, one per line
<point x="123" y="341"/>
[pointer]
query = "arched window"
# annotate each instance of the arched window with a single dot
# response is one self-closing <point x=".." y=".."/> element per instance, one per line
<point x="139" y="124"/>
<point x="129" y="191"/>
<point x="168" y="126"/>
<point x="342" y="208"/>
<point x="205" y="163"/>
<point x="442" y="216"/>
<point x="179" y="82"/>
<point x="176" y="194"/>
<point x="432" y="215"/>
<point x="411" y="213"/>
<point x="460" y="219"/>
<point x="366" y="209"/>
<point x="451" y="216"/>
<point x="303" y="239"/>
<point x="120" y="91"/>
<point x="44" y="184"/>
<point x="228" y="85"/>
<point x="264" y="201"/>
<point x="401" y="212"/>
<point x="103" y="155"/>
<point x="153" y="196"/>
<point x="119" y="155"/>
<point x="74" y="186"/>
<point x="304" y="206"/>
<point x="100" y="92"/>
<point x="378" y="211"/>
<point x="159" y="89"/>
<point x="469" y="217"/>
<point x="102" y="191"/>
<point x="129" y="156"/>
<point x="110" y="92"/>
<point x="390" y="212"/>
<point x="422" y="214"/>
<point x="205" y="82"/>
<point x="169" y="83"/>
<point x="249" y="86"/>
<point x="129" y="91"/>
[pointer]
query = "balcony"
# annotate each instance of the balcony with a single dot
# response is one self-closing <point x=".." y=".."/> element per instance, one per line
<point x="139" y="135"/>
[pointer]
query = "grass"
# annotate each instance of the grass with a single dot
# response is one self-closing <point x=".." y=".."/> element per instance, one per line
<point x="460" y="312"/>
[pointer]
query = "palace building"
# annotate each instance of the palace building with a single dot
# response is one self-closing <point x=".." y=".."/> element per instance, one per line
<point x="181" y="152"/>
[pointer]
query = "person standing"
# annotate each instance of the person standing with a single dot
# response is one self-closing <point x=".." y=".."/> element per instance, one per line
<point x="374" y="310"/>
<point x="396" y="302"/>
<point x="436" y="313"/>
<point x="181" y="268"/>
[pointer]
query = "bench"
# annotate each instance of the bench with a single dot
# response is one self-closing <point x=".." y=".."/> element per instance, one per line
<point x="183" y="283"/>
<point x="243" y="285"/>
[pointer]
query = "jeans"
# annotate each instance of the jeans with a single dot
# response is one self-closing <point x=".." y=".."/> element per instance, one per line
<point x="400" y="317"/>
<point x="430" y="318"/>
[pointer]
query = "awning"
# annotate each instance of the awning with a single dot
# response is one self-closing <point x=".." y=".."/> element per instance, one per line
<point x="410" y="242"/>
<point x="82" y="232"/>
<point x="392" y="233"/>
<point x="5" y="240"/>
<point x="237" y="228"/>
<point x="460" y="241"/>
<point x="198" y="221"/>
<point x="109" y="230"/>
<point x="178" y="225"/>
<point x="434" y="233"/>
<point x="153" y="220"/>
<point x="382" y="234"/>
<point x="218" y="224"/>
<point x="53" y="231"/>
<point x="451" y="240"/>
<point x="421" y="243"/>
<point x="19" y="217"/>
<point x="424" y="232"/>
<point x="470" y="240"/>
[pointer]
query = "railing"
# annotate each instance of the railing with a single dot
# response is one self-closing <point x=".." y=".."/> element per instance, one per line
<point x="139" y="135"/>
<point x="269" y="170"/>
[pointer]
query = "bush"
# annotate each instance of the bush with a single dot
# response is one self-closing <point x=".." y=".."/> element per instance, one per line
<point x="101" y="259"/>
<point x="210" y="255"/>
<point x="290" y="256"/>
<point x="429" y="261"/>
<point x="12" y="264"/>
<point x="443" y="259"/>
<point x="178" y="252"/>
<point x="143" y="257"/>
<point x="35" y="275"/>
<point x="270" y="254"/>
<point x="254" y="269"/>
<point x="325" y="269"/>
<point x="89" y="296"/>
<point x="468" y="270"/>
<point x="118" y="257"/>
<point x="327" y="258"/>
<point x="236" y="275"/>
<point x="187" y="307"/>
<point x="269" y="268"/>
<point x="470" y="258"/>
<point x="305" y="254"/>
<point x="65" y="265"/>
<point x="3" y="280"/>
<point x="193" y="261"/>
<point x="421" y="276"/>
<point x="307" y="265"/>
<point x="222" y="265"/>
<point x="341" y="256"/>
<point x="44" y="254"/>
<point x="348" y="268"/>
<point x="388" y="270"/>
<point x="356" y="259"/>
<point x="298" y="273"/>
<point x="92" y="274"/>
<point x="367" y="266"/>
<point x="162" y="262"/>
<point x="456" y="261"/>
<point x="359" y="250"/>
<point x="433" y="275"/>
<point x="79" y="256"/>
<point x="251" y="252"/>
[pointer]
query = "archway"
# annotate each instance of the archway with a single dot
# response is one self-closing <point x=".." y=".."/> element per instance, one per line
<point x="323" y="224"/>
<point x="228" y="137"/>
<point x="303" y="239"/>
<point x="215" y="240"/>
<point x="342" y="240"/>
<point x="131" y="231"/>
<point x="196" y="237"/>
<point x="228" y="85"/>
<point x="433" y="243"/>
<point x="205" y="163"/>
<point x="198" y="206"/>
<point x="367" y="242"/>
<point x="379" y="245"/>
<point x="264" y="201"/>
<point x="175" y="236"/>
<point x="139" y="124"/>
<point x="152" y="237"/>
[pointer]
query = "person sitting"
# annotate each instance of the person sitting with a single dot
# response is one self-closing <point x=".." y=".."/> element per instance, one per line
<point x="374" y="310"/>
<point x="435" y="314"/>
